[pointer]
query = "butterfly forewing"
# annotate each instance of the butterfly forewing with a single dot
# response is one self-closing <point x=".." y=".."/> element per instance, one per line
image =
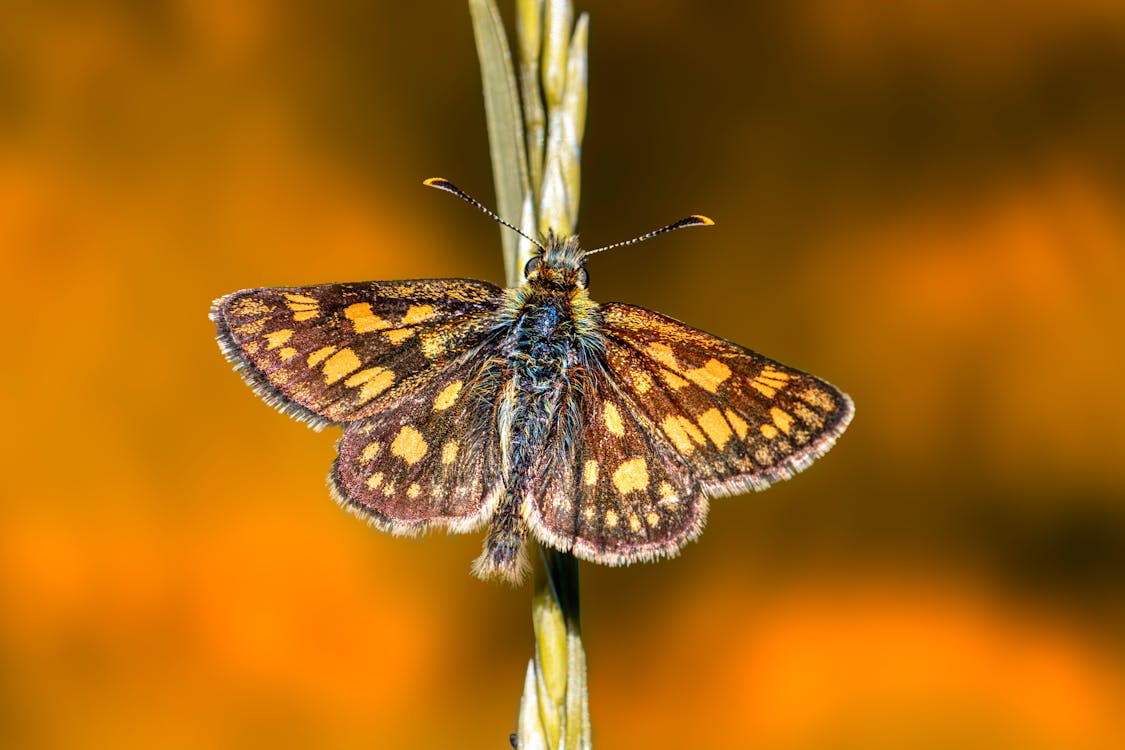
<point x="738" y="420"/>
<point x="340" y="352"/>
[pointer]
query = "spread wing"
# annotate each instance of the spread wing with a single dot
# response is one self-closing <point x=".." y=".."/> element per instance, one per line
<point x="396" y="363"/>
<point x="677" y="415"/>
<point x="338" y="353"/>
<point x="739" y="421"/>
<point x="621" y="494"/>
<point x="430" y="459"/>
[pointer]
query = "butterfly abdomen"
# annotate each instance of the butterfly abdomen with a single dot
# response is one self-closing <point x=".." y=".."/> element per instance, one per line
<point x="540" y="350"/>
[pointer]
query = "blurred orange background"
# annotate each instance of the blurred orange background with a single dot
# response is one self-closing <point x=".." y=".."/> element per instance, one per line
<point x="921" y="201"/>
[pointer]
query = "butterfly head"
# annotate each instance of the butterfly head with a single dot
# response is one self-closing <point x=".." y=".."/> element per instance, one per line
<point x="560" y="263"/>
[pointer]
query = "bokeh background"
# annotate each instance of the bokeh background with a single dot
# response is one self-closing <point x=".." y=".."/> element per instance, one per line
<point x="919" y="200"/>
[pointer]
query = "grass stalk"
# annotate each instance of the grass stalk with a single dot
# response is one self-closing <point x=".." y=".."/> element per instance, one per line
<point x="535" y="128"/>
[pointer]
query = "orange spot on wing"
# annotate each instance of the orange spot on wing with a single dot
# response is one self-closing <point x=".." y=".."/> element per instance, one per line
<point x="277" y="338"/>
<point x="417" y="313"/>
<point x="319" y="355"/>
<point x="715" y="425"/>
<point x="781" y="418"/>
<point x="398" y="336"/>
<point x="340" y="364"/>
<point x="631" y="475"/>
<point x="363" y="319"/>
<point x="710" y="376"/>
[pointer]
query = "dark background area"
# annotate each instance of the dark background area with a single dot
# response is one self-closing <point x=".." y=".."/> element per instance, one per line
<point x="920" y="201"/>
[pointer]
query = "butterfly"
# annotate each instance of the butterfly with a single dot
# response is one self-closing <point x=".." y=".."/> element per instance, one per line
<point x="597" y="429"/>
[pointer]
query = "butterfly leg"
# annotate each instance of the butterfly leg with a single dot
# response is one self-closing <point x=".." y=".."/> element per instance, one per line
<point x="505" y="548"/>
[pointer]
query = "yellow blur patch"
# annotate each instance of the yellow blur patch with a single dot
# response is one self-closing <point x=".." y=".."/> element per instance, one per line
<point x="369" y="452"/>
<point x="588" y="512"/>
<point x="738" y="423"/>
<point x="389" y="489"/>
<point x="590" y="473"/>
<point x="303" y="316"/>
<point x="398" y="336"/>
<point x="416" y="314"/>
<point x="768" y="431"/>
<point x="710" y="376"/>
<point x="715" y="425"/>
<point x="634" y="523"/>
<point x="409" y="445"/>
<point x="611" y="518"/>
<point x="277" y="338"/>
<point x="631" y="475"/>
<point x="449" y="452"/>
<point x="340" y="364"/>
<point x="781" y="418"/>
<point x="363" y="319"/>
<point x="683" y="433"/>
<point x="612" y="419"/>
<point x="653" y="519"/>
<point x="413" y="490"/>
<point x="375" y="480"/>
<point x="320" y="355"/>
<point x="287" y="353"/>
<point x="371" y="382"/>
<point x="448" y="395"/>
<point x="764" y="456"/>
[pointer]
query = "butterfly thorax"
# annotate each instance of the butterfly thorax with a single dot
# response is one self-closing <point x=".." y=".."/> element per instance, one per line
<point x="552" y="331"/>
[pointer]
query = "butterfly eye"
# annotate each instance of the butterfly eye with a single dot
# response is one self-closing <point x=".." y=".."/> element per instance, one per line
<point x="582" y="279"/>
<point x="531" y="268"/>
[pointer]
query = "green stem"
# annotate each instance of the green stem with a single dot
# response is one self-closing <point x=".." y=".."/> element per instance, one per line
<point x="536" y="151"/>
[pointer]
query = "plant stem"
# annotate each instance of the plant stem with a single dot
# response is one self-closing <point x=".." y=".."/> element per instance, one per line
<point x="536" y="150"/>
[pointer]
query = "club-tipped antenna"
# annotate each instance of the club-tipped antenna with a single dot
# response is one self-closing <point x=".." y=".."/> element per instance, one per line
<point x="449" y="187"/>
<point x="695" y="220"/>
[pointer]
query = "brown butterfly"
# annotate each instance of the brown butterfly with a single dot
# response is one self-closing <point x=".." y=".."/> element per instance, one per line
<point x="600" y="428"/>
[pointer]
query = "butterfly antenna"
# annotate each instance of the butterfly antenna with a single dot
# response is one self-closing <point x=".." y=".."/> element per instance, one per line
<point x="449" y="187"/>
<point x="695" y="220"/>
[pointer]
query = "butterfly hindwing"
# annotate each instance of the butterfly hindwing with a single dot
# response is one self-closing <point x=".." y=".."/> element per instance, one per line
<point x="428" y="460"/>
<point x="738" y="420"/>
<point x="341" y="352"/>
<point x="625" y="496"/>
